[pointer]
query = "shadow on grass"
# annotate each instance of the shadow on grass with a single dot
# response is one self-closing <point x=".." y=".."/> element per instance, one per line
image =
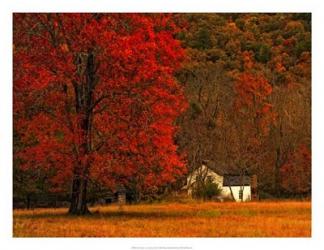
<point x="124" y="214"/>
<point x="157" y="213"/>
<point x="110" y="215"/>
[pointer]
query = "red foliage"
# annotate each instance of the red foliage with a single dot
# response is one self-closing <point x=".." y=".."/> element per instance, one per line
<point x="252" y="91"/>
<point x="95" y="95"/>
<point x="296" y="172"/>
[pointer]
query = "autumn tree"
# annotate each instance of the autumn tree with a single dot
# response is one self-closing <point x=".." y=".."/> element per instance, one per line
<point x="95" y="99"/>
<point x="298" y="168"/>
<point x="253" y="115"/>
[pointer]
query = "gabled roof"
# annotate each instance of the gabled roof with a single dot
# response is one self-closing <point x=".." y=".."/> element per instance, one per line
<point x="215" y="167"/>
<point x="223" y="170"/>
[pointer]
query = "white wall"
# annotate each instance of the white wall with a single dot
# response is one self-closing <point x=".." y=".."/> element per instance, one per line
<point x="226" y="192"/>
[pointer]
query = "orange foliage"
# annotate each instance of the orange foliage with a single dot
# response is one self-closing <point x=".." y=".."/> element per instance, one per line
<point x="247" y="59"/>
<point x="296" y="172"/>
<point x="252" y="92"/>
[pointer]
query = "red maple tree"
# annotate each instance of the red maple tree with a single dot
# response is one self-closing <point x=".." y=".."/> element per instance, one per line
<point x="95" y="99"/>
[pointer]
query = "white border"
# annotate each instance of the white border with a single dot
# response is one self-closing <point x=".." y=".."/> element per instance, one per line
<point x="9" y="6"/>
<point x="161" y="6"/>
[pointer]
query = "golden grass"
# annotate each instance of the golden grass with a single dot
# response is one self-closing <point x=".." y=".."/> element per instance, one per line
<point x="210" y="219"/>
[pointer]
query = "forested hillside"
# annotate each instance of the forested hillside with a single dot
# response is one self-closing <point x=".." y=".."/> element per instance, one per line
<point x="248" y="84"/>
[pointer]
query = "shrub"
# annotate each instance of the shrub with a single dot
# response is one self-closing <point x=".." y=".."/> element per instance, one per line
<point x="206" y="190"/>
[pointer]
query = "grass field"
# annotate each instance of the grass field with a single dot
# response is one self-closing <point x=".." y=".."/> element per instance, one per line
<point x="210" y="219"/>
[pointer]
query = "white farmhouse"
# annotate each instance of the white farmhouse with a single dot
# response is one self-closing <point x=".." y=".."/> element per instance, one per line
<point x="233" y="184"/>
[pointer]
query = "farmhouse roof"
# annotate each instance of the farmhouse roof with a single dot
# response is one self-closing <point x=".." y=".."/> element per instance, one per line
<point x="215" y="167"/>
<point x="222" y="169"/>
<point x="230" y="180"/>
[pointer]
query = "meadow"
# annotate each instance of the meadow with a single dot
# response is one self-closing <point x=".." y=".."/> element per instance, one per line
<point x="195" y="219"/>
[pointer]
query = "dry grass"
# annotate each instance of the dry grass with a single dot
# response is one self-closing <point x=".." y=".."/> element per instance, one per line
<point x="254" y="219"/>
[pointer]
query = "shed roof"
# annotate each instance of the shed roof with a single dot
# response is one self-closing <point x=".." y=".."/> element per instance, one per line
<point x="121" y="189"/>
<point x="236" y="180"/>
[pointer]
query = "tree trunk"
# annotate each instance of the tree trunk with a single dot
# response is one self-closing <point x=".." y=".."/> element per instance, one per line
<point x="230" y="187"/>
<point x="277" y="172"/>
<point x="83" y="105"/>
<point x="28" y="201"/>
<point x="78" y="204"/>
